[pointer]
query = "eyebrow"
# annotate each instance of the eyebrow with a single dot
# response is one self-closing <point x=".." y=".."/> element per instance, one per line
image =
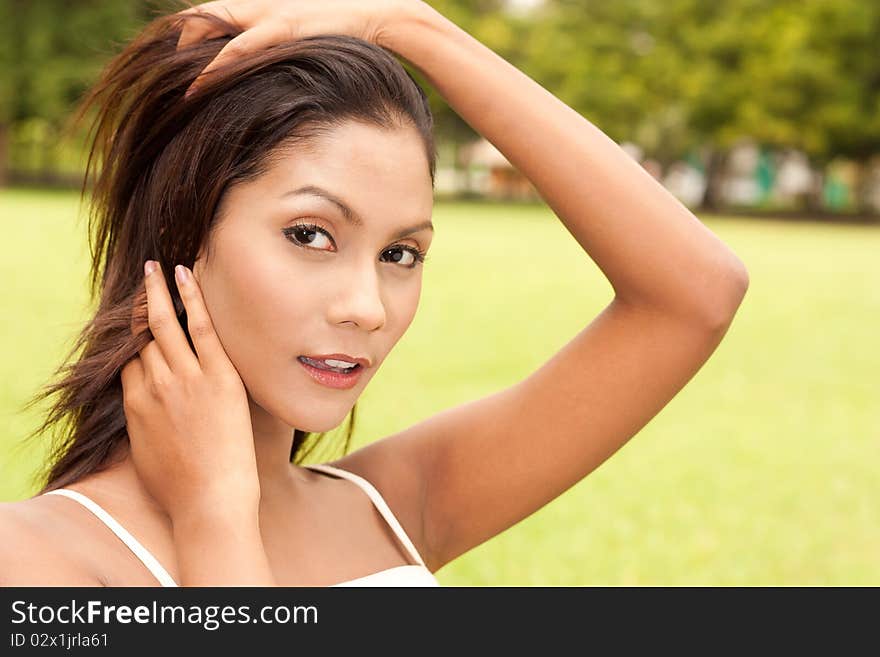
<point x="350" y="215"/>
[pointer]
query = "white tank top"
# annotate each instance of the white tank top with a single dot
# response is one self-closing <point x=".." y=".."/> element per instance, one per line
<point x="407" y="575"/>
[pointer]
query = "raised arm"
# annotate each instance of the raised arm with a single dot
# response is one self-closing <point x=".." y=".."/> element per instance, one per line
<point x="467" y="473"/>
<point x="652" y="249"/>
<point x="487" y="464"/>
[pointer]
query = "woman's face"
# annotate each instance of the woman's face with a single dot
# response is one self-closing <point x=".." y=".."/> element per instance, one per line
<point x="277" y="288"/>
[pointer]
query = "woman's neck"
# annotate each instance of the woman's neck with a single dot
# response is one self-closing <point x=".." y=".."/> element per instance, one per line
<point x="120" y="480"/>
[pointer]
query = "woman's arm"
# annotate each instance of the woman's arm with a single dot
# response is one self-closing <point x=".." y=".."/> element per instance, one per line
<point x="485" y="465"/>
<point x="469" y="472"/>
<point x="652" y="249"/>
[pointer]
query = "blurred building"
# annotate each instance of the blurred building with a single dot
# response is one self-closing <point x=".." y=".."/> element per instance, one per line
<point x="795" y="179"/>
<point x="752" y="176"/>
<point x="522" y="7"/>
<point x="490" y="173"/>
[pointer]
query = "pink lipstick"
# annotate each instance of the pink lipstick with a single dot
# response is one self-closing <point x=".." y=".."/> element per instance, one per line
<point x="330" y="375"/>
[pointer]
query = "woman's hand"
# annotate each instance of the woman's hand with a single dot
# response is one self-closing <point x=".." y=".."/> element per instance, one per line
<point x="187" y="414"/>
<point x="267" y="22"/>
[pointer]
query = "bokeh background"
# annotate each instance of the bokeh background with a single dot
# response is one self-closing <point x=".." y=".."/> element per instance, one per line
<point x="763" y="116"/>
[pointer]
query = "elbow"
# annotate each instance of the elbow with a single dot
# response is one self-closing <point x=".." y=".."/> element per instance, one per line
<point x="729" y="294"/>
<point x="707" y="299"/>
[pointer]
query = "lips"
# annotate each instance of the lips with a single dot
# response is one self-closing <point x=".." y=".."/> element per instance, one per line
<point x="330" y="377"/>
<point x="363" y="362"/>
<point x="320" y="364"/>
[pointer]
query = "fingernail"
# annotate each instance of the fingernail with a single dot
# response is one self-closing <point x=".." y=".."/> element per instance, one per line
<point x="149" y="267"/>
<point x="181" y="275"/>
<point x="189" y="92"/>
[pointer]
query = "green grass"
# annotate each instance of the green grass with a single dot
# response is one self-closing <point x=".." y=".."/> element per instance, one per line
<point x="762" y="470"/>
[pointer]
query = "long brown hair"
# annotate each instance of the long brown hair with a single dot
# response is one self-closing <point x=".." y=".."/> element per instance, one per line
<point x="165" y="165"/>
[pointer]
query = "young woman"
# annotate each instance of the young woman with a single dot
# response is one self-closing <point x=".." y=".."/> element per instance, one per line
<point x="293" y="186"/>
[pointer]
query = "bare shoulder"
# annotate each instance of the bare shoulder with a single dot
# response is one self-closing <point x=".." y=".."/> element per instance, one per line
<point x="395" y="466"/>
<point x="31" y="553"/>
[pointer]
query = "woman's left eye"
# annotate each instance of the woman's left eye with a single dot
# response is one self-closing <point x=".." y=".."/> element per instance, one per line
<point x="307" y="230"/>
<point x="418" y="257"/>
<point x="303" y="235"/>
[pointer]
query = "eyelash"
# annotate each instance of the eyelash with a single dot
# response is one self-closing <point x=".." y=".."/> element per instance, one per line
<point x="419" y="255"/>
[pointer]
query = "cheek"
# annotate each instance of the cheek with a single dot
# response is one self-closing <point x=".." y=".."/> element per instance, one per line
<point x="413" y="301"/>
<point x="406" y="306"/>
<point x="253" y="308"/>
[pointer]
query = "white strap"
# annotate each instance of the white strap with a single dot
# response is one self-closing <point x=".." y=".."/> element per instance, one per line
<point x="134" y="545"/>
<point x="378" y="500"/>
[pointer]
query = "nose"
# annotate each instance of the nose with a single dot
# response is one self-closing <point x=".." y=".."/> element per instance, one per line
<point x="358" y="298"/>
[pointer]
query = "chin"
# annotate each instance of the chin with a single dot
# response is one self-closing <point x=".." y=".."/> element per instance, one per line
<point x="314" y="422"/>
<point x="302" y="414"/>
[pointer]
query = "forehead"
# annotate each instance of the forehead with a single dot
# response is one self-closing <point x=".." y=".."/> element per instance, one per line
<point x="379" y="172"/>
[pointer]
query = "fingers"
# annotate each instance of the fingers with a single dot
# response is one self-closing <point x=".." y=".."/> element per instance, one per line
<point x="212" y="357"/>
<point x="132" y="373"/>
<point x="132" y="376"/>
<point x="194" y="31"/>
<point x="197" y="29"/>
<point x="154" y="363"/>
<point x="151" y="358"/>
<point x="170" y="341"/>
<point x="251" y="40"/>
<point x="139" y="317"/>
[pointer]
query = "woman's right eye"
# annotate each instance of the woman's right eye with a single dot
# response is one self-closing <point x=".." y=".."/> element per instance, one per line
<point x="303" y="235"/>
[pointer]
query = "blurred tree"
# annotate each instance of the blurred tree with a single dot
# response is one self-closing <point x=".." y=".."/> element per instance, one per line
<point x="501" y="31"/>
<point x="677" y="77"/>
<point x="791" y="74"/>
<point x="52" y="50"/>
<point x="8" y="45"/>
<point x="686" y="73"/>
